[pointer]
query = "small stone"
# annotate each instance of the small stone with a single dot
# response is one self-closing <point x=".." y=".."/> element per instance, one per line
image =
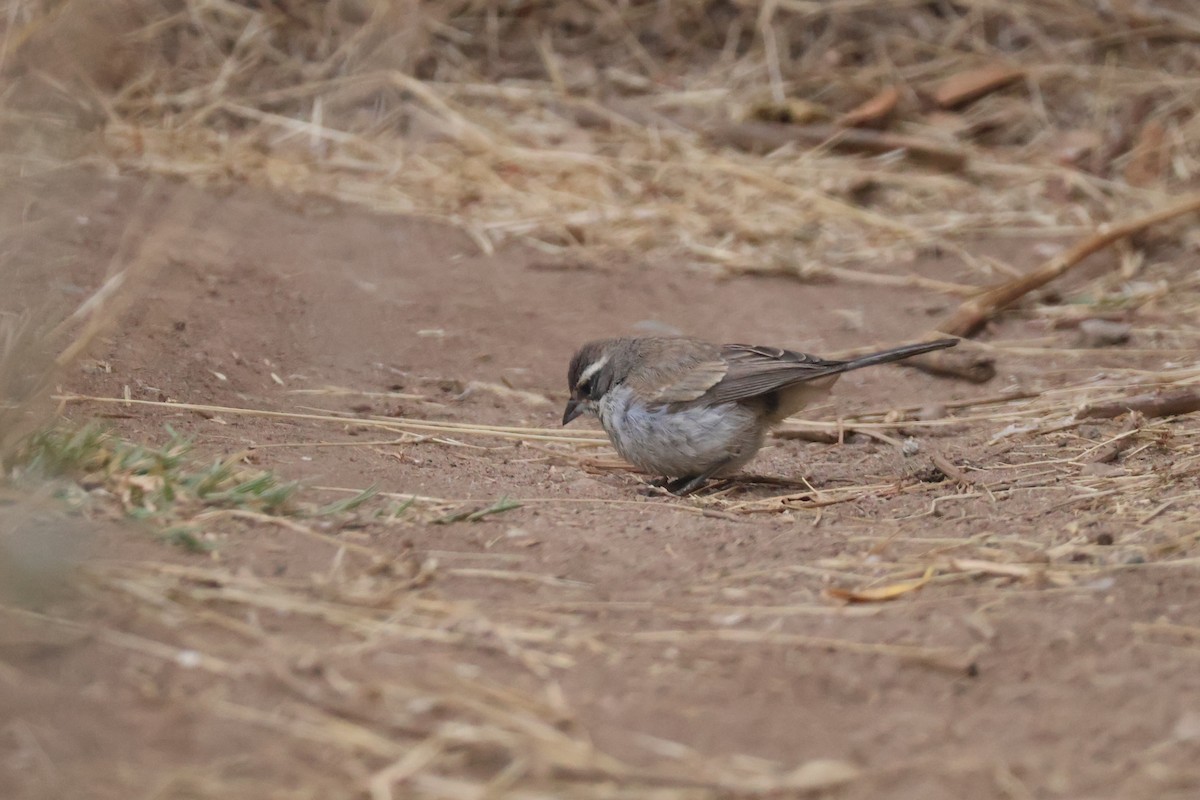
<point x="910" y="447"/>
<point x="1103" y="333"/>
<point x="931" y="412"/>
<point x="188" y="659"/>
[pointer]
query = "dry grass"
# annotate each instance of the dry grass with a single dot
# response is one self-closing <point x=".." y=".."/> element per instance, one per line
<point x="1004" y="423"/>
<point x="446" y="731"/>
<point x="504" y="739"/>
<point x="596" y="128"/>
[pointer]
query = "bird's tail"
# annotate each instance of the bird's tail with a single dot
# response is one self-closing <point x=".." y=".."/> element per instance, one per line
<point x="896" y="354"/>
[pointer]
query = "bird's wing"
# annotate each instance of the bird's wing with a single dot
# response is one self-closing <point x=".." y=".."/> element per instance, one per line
<point x="694" y="384"/>
<point x="753" y="370"/>
<point x="696" y="367"/>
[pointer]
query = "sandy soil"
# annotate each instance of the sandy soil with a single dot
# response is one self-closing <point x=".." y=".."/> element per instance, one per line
<point x="656" y="629"/>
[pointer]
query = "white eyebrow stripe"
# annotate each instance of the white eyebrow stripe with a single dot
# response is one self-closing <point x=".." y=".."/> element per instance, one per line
<point x="592" y="369"/>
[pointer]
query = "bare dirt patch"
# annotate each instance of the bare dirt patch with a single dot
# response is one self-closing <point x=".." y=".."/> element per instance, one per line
<point x="594" y="637"/>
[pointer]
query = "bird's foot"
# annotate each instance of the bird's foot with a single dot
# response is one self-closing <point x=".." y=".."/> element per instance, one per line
<point x="677" y="487"/>
<point x="681" y="487"/>
<point x="687" y="484"/>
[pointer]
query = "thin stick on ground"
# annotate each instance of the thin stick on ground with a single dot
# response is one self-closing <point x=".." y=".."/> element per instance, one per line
<point x="764" y="137"/>
<point x="1151" y="405"/>
<point x="974" y="313"/>
<point x="1110" y="450"/>
<point x="969" y="317"/>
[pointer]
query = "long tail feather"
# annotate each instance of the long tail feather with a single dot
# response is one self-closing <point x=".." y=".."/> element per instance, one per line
<point x="896" y="354"/>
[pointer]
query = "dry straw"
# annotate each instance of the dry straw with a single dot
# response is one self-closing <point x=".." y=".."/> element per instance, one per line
<point x="605" y="126"/>
<point x="644" y="128"/>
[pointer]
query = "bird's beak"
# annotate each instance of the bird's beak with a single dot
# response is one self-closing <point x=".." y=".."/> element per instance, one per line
<point x="572" y="411"/>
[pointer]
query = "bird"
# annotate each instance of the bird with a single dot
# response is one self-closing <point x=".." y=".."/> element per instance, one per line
<point x="690" y="410"/>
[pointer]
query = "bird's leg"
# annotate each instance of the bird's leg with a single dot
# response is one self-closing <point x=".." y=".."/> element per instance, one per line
<point x="688" y="484"/>
<point x="682" y="486"/>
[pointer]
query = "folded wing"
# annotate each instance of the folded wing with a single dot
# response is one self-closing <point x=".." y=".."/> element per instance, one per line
<point x="755" y="370"/>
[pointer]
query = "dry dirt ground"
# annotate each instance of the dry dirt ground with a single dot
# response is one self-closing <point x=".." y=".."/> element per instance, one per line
<point x="597" y="641"/>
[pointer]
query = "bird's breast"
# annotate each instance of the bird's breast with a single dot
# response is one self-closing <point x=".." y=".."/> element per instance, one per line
<point x="679" y="440"/>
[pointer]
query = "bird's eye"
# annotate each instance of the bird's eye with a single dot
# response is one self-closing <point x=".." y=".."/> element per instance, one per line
<point x="585" y="387"/>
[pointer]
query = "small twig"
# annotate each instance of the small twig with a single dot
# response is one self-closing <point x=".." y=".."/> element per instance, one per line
<point x="974" y="313"/>
<point x="969" y="317"/>
<point x="758" y="137"/>
<point x="962" y="364"/>
<point x="965" y="87"/>
<point x="383" y="423"/>
<point x="1109" y="451"/>
<point x="950" y="470"/>
<point x="809" y="435"/>
<point x="1150" y="405"/>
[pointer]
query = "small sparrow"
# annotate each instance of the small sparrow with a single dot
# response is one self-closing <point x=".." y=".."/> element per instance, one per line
<point x="689" y="410"/>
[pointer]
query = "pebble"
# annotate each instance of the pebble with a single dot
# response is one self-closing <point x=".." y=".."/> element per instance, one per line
<point x="1103" y="333"/>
